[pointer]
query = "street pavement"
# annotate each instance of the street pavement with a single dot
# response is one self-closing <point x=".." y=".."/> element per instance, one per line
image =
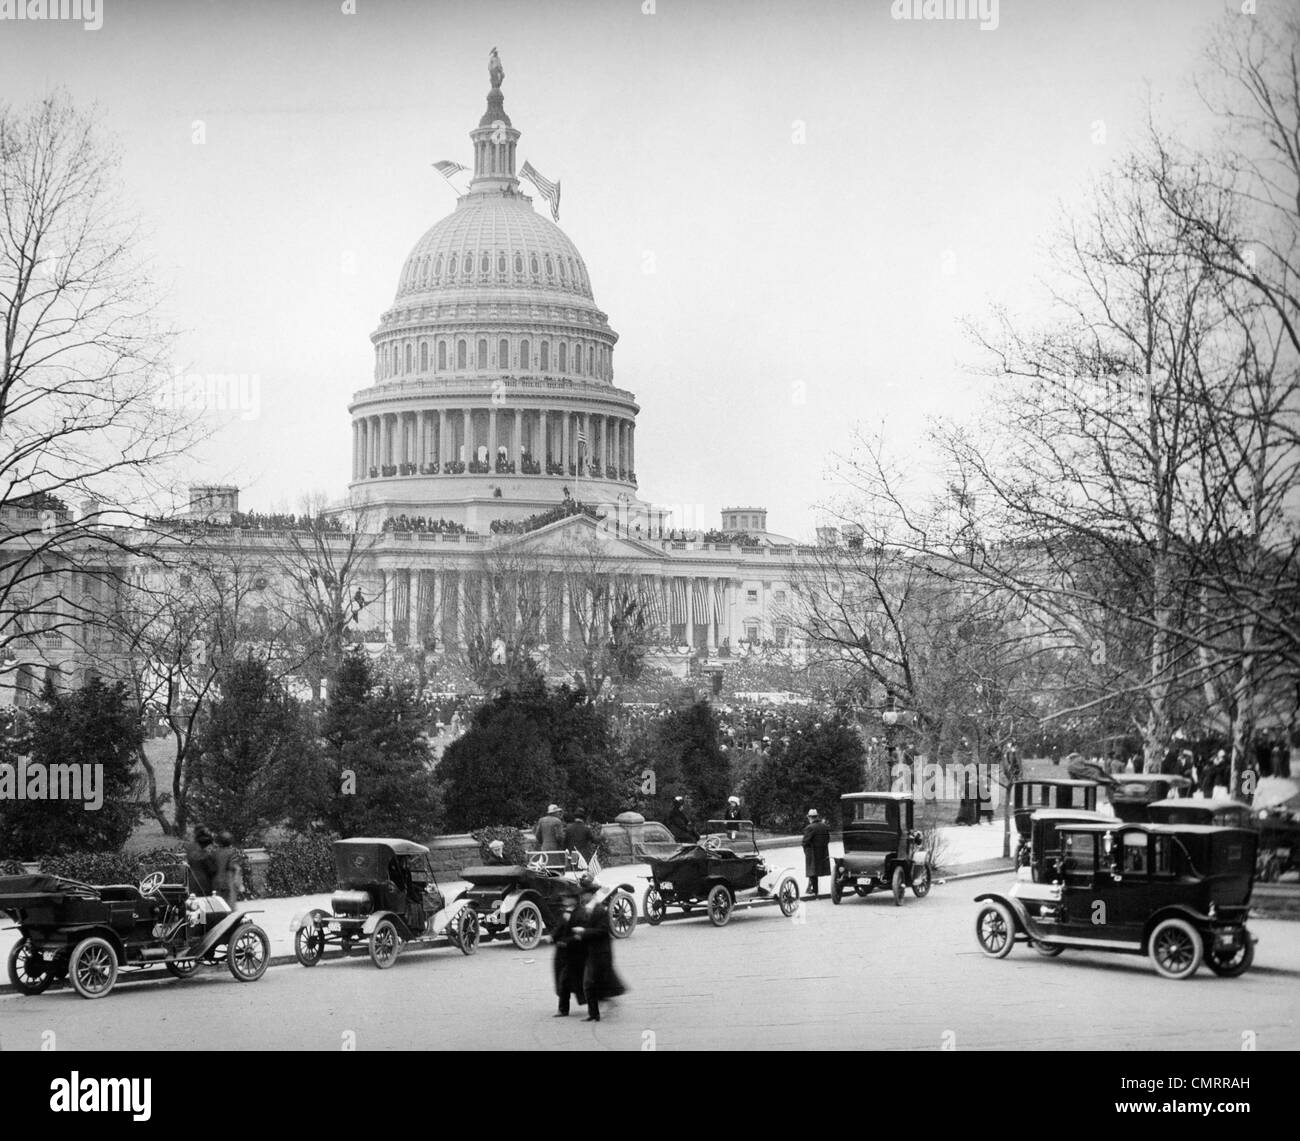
<point x="863" y="975"/>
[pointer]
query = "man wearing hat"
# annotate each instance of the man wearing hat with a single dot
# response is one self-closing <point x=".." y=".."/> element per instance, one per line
<point x="496" y="853"/>
<point x="816" y="851"/>
<point x="550" y="830"/>
<point x="589" y="924"/>
<point x="679" y="823"/>
<point x="202" y="862"/>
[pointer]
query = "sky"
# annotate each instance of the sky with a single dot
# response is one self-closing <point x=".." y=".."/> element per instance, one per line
<point x="788" y="208"/>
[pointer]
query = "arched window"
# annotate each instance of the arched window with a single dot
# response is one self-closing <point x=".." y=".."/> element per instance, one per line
<point x="408" y="358"/>
<point x="482" y="353"/>
<point x="442" y="355"/>
<point x="525" y="355"/>
<point x="577" y="358"/>
<point x="532" y="262"/>
<point x="564" y="357"/>
<point x="546" y="356"/>
<point x="451" y="264"/>
<point x="437" y="267"/>
<point x="424" y="356"/>
<point x="485" y="264"/>
<point x="519" y="263"/>
<point x="501" y="263"/>
<point x="564" y="271"/>
<point x="461" y="350"/>
<point x="503" y="353"/>
<point x="550" y="266"/>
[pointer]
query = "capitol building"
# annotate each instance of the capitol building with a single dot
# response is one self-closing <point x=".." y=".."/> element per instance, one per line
<point x="493" y="434"/>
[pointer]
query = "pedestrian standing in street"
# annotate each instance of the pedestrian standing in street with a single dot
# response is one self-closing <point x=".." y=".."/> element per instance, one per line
<point x="550" y="831"/>
<point x="590" y="924"/>
<point x="570" y="959"/>
<point x="816" y="851"/>
<point x="226" y="875"/>
<point x="202" y="864"/>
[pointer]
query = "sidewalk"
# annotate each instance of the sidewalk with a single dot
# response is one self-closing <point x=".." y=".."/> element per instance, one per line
<point x="975" y="849"/>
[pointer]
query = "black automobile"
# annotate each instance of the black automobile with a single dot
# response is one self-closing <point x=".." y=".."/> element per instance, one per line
<point x="882" y="851"/>
<point x="1132" y="794"/>
<point x="87" y="934"/>
<point x="720" y="871"/>
<point x="1178" y="894"/>
<point x="1028" y="796"/>
<point x="387" y="896"/>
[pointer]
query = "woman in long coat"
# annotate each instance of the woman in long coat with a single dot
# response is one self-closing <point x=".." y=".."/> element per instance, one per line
<point x="816" y="851"/>
<point x="591" y="924"/>
<point x="570" y="960"/>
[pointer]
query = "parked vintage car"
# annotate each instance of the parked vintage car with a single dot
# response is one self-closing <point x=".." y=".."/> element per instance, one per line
<point x="1179" y="894"/>
<point x="387" y="896"/>
<point x="87" y="934"/>
<point x="632" y="839"/>
<point x="720" y="870"/>
<point x="882" y="851"/>
<point x="1133" y="793"/>
<point x="1028" y="796"/>
<point x="1219" y="810"/>
<point x="1045" y="840"/>
<point x="1279" y="842"/>
<point x="526" y="900"/>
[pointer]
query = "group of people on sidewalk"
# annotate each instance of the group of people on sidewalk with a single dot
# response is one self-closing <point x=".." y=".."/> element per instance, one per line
<point x="214" y="869"/>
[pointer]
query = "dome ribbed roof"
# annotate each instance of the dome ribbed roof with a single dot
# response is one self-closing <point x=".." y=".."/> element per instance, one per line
<point x="495" y="241"/>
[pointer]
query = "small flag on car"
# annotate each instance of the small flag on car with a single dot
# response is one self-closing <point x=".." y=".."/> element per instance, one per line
<point x="545" y="187"/>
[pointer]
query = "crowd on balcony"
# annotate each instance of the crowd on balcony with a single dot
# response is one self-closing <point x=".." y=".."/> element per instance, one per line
<point x="423" y="523"/>
<point x="260" y="521"/>
<point x="543" y="518"/>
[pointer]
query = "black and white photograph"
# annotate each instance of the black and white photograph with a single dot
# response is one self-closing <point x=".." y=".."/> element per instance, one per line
<point x="643" y="526"/>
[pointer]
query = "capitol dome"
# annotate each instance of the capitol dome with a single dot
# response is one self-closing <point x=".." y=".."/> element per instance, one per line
<point x="493" y="393"/>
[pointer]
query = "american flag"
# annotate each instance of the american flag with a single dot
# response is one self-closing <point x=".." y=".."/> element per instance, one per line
<point x="582" y="438"/>
<point x="446" y="168"/>
<point x="545" y="187"/>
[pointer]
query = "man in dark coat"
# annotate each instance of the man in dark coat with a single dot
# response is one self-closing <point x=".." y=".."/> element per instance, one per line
<point x="590" y="923"/>
<point x="816" y="851"/>
<point x="202" y="863"/>
<point x="679" y="824"/>
<point x="550" y="831"/>
<point x="577" y="836"/>
<point x="570" y="960"/>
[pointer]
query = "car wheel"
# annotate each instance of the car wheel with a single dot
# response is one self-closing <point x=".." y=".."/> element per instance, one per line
<point x="1175" y="949"/>
<point x="653" y="907"/>
<point x="1047" y="950"/>
<point x="28" y="971"/>
<point x="896" y="884"/>
<point x="308" y="944"/>
<point x="384" y="944"/>
<point x="995" y="930"/>
<point x="719" y="905"/>
<point x="183" y="968"/>
<point x="837" y="883"/>
<point x="466" y="930"/>
<point x="1230" y="964"/>
<point x="622" y="915"/>
<point x="248" y="953"/>
<point x="93" y="967"/>
<point x="526" y="925"/>
<point x="921" y="881"/>
<point x="787" y="895"/>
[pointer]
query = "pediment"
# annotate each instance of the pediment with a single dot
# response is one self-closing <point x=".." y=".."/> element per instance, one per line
<point x="579" y="536"/>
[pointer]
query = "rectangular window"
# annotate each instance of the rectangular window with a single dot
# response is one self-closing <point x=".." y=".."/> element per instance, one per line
<point x="781" y="637"/>
<point x="779" y="596"/>
<point x="751" y="632"/>
<point x="751" y="596"/>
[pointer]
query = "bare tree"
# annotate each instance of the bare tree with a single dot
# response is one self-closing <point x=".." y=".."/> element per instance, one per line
<point x="81" y="369"/>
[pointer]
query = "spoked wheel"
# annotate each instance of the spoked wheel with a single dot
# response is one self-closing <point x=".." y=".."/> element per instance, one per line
<point x="526" y="925"/>
<point x="1230" y="964"/>
<point x="384" y="944"/>
<point x="837" y="884"/>
<point x="622" y="915"/>
<point x="719" y="905"/>
<point x="995" y="930"/>
<point x="249" y="953"/>
<point x="896" y="884"/>
<point x="1176" y="949"/>
<point x="921" y="881"/>
<point x="1047" y="950"/>
<point x="653" y="906"/>
<point x="465" y="930"/>
<point x="309" y="944"/>
<point x="183" y="968"/>
<point x="28" y="971"/>
<point x="787" y="895"/>
<point x="93" y="967"/>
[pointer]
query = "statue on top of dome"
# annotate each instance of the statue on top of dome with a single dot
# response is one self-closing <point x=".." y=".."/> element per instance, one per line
<point x="495" y="71"/>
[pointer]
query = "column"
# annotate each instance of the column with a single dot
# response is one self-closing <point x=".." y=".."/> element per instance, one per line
<point x="414" y="599"/>
<point x="444" y="445"/>
<point x="403" y="438"/>
<point x="631" y="445"/>
<point x="544" y="431"/>
<point x="492" y="439"/>
<point x="690" y="613"/>
<point x="386" y="579"/>
<point x="566" y="606"/>
<point x="713" y="614"/>
<point x="586" y="431"/>
<point x="565" y="451"/>
<point x="435" y="608"/>
<point x="517" y="444"/>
